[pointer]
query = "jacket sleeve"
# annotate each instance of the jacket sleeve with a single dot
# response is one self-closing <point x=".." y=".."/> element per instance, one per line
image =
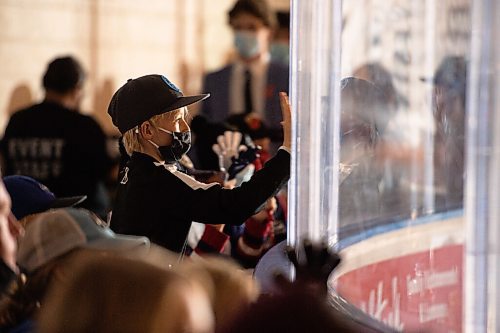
<point x="216" y="205"/>
<point x="254" y="242"/>
<point x="212" y="241"/>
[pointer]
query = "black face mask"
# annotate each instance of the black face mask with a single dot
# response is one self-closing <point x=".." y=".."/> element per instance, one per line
<point x="181" y="143"/>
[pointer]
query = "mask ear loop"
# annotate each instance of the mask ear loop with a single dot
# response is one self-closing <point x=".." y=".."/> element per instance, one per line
<point x="166" y="131"/>
<point x="136" y="131"/>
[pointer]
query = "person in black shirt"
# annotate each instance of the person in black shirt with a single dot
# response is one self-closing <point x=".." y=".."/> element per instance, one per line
<point x="55" y="144"/>
<point x="154" y="198"/>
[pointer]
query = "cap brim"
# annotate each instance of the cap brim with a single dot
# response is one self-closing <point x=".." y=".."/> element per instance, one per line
<point x="185" y="101"/>
<point x="119" y="242"/>
<point x="68" y="201"/>
<point x="426" y="79"/>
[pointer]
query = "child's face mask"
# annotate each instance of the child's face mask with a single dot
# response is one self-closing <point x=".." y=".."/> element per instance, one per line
<point x="181" y="143"/>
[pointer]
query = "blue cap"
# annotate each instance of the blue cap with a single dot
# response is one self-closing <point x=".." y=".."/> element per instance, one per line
<point x="30" y="197"/>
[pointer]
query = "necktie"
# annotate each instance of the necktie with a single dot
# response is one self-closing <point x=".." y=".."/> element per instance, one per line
<point x="248" y="92"/>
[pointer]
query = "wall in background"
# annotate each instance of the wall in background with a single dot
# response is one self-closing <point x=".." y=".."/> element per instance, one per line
<point x="115" y="40"/>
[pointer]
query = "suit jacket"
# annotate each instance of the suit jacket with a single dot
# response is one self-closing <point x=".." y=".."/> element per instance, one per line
<point x="216" y="108"/>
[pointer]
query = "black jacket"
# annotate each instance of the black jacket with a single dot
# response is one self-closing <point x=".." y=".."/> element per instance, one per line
<point x="161" y="204"/>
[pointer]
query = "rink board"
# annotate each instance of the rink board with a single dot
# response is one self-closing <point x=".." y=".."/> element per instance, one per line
<point x="409" y="274"/>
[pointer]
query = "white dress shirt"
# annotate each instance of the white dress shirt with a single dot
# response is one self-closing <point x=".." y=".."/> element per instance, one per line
<point x="258" y="70"/>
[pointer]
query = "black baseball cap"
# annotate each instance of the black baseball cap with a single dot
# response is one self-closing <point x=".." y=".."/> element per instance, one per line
<point x="140" y="99"/>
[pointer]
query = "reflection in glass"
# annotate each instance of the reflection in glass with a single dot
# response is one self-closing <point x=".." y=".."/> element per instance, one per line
<point x="380" y="94"/>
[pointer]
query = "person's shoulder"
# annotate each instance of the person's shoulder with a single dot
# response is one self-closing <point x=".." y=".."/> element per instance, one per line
<point x="44" y="111"/>
<point x="221" y="71"/>
<point x="19" y="118"/>
<point x="87" y="121"/>
<point x="26" y="111"/>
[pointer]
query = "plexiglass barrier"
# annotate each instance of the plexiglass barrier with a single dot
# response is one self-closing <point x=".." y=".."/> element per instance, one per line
<point x="381" y="93"/>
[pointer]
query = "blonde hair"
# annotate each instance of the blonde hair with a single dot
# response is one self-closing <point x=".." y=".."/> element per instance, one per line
<point x="131" y="140"/>
<point x="230" y="288"/>
<point x="117" y="294"/>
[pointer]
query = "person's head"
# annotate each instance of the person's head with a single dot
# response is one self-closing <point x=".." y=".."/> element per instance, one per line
<point x="48" y="245"/>
<point x="253" y="126"/>
<point x="31" y="197"/>
<point x="230" y="288"/>
<point x="381" y="78"/>
<point x="450" y="82"/>
<point x="59" y="231"/>
<point x="360" y="102"/>
<point x="115" y="294"/>
<point x="252" y="22"/>
<point x="451" y="75"/>
<point x="63" y="82"/>
<point x="295" y="311"/>
<point x="151" y="112"/>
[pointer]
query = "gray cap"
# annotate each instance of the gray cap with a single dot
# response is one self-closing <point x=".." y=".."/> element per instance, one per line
<point x="57" y="232"/>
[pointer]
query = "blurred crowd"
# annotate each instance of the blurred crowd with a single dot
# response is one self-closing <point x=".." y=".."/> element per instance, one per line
<point x="164" y="236"/>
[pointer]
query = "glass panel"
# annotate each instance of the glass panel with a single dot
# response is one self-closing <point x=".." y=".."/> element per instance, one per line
<point x="482" y="262"/>
<point x="379" y="90"/>
<point x="316" y="27"/>
<point x="402" y="159"/>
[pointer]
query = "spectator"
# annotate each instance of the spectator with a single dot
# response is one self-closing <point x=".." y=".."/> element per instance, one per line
<point x="154" y="198"/>
<point x="49" y="244"/>
<point x="382" y="78"/>
<point x="113" y="294"/>
<point x="258" y="132"/>
<point x="450" y="88"/>
<point x="55" y="144"/>
<point x="249" y="84"/>
<point x="360" y="199"/>
<point x="230" y="288"/>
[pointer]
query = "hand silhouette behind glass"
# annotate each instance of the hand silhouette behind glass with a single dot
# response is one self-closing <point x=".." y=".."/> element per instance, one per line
<point x="312" y="273"/>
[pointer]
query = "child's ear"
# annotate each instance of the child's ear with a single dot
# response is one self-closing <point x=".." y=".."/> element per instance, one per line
<point x="146" y="130"/>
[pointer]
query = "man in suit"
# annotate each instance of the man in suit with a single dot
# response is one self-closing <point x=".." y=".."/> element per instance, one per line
<point x="250" y="84"/>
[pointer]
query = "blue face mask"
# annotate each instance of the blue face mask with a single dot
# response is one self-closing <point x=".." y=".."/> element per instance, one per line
<point x="246" y="43"/>
<point x="280" y="53"/>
